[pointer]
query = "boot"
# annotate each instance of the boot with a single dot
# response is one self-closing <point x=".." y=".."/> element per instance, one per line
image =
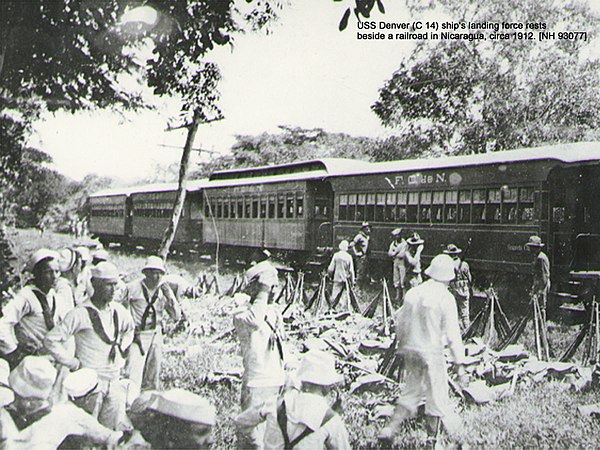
<point x="388" y="432"/>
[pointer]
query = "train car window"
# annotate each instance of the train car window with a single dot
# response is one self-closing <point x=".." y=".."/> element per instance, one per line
<point x="271" y="208"/>
<point x="280" y="206"/>
<point x="509" y="205"/>
<point x="526" y="205"/>
<point x="412" y="212"/>
<point x="343" y="207"/>
<point x="437" y="208"/>
<point x="361" y="200"/>
<point x="380" y="208"/>
<point x="425" y="208"/>
<point x="233" y="208"/>
<point x="493" y="206"/>
<point x="464" y="207"/>
<point x="289" y="206"/>
<point x="248" y="208"/>
<point x="207" y="212"/>
<point x="370" y="208"/>
<point x="299" y="205"/>
<point x="255" y="206"/>
<point x="351" y="207"/>
<point x="226" y="208"/>
<point x="478" y="212"/>
<point x="240" y="208"/>
<point x="450" y="214"/>
<point x="390" y="207"/>
<point x="263" y="208"/>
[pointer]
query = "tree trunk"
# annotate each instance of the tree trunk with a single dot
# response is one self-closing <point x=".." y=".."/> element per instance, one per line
<point x="180" y="197"/>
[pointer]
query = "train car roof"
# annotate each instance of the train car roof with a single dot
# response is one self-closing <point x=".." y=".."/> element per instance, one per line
<point x="297" y="171"/>
<point x="564" y="153"/>
<point x="192" y="185"/>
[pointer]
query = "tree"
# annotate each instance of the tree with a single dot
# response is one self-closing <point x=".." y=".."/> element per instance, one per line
<point x="460" y="96"/>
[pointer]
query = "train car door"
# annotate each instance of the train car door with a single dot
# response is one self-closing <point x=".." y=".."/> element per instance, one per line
<point x="128" y="217"/>
<point x="588" y="206"/>
<point x="320" y="226"/>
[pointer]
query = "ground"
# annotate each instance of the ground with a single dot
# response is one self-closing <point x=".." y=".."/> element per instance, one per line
<point x="204" y="359"/>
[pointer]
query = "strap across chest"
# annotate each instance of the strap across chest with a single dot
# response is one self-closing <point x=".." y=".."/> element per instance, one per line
<point x="282" y="421"/>
<point x="148" y="321"/>
<point x="103" y="335"/>
<point x="47" y="312"/>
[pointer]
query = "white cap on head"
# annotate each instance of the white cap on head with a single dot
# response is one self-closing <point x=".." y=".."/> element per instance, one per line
<point x="155" y="263"/>
<point x="67" y="258"/>
<point x="84" y="252"/>
<point x="178" y="403"/>
<point x="441" y="268"/>
<point x="33" y="377"/>
<point x="81" y="382"/>
<point x="105" y="271"/>
<point x="100" y="254"/>
<point x="318" y="367"/>
<point x="40" y="255"/>
<point x="344" y="245"/>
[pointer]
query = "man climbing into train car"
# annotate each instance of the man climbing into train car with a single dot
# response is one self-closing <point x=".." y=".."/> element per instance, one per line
<point x="103" y="331"/>
<point x="341" y="271"/>
<point x="425" y="324"/>
<point x="397" y="251"/>
<point x="148" y="299"/>
<point x="259" y="328"/>
<point x="461" y="285"/>
<point x="360" y="250"/>
<point x="34" y="310"/>
<point x="540" y="285"/>
<point x="413" y="261"/>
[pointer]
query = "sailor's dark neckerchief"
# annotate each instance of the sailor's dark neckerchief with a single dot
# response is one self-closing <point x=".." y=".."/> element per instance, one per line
<point x="99" y="329"/>
<point x="47" y="312"/>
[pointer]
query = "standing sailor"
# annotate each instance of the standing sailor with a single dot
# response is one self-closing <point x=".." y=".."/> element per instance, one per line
<point x="540" y="285"/>
<point x="148" y="298"/>
<point x="461" y="285"/>
<point x="360" y="248"/>
<point x="341" y="271"/>
<point x="397" y="252"/>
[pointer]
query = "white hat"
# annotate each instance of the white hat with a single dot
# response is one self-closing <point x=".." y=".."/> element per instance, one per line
<point x="39" y="256"/>
<point x="33" y="377"/>
<point x="100" y="254"/>
<point x="318" y="367"/>
<point x="81" y="382"/>
<point x="396" y="231"/>
<point x="344" y="245"/>
<point x="105" y="271"/>
<point x="155" y="263"/>
<point x="7" y="396"/>
<point x="441" y="268"/>
<point x="84" y="252"/>
<point x="67" y="258"/>
<point x="184" y="405"/>
<point x="535" y="241"/>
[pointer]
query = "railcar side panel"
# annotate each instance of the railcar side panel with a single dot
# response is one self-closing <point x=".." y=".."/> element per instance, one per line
<point x="107" y="215"/>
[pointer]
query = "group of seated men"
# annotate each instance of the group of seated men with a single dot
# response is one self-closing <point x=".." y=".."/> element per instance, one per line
<point x="77" y="363"/>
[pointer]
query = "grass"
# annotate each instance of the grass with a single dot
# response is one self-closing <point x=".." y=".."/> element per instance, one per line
<point x="538" y="415"/>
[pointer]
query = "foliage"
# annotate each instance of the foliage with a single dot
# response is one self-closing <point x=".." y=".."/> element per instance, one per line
<point x="458" y="96"/>
<point x="291" y="144"/>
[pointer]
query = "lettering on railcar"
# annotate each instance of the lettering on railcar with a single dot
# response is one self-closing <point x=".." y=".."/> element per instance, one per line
<point x="418" y="179"/>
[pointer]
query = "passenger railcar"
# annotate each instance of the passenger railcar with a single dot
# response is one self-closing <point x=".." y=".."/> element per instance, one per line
<point x="488" y="204"/>
<point x="108" y="212"/>
<point x="284" y="208"/>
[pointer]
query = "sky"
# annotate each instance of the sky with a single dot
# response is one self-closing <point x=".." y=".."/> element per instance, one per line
<point x="304" y="73"/>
